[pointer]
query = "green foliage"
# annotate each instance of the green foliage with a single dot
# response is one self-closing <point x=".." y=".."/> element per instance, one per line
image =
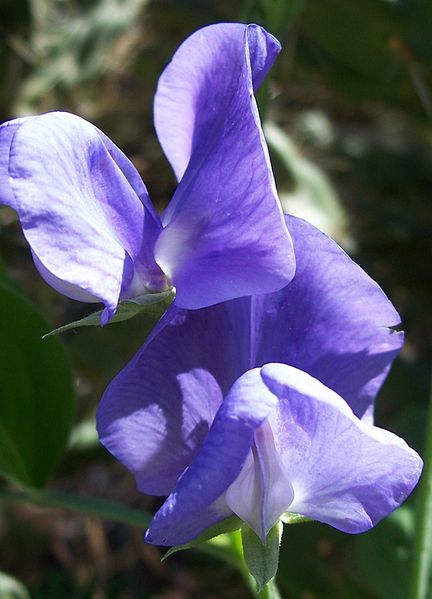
<point x="313" y="196"/>
<point x="69" y="45"/>
<point x="36" y="402"/>
<point x="91" y="506"/>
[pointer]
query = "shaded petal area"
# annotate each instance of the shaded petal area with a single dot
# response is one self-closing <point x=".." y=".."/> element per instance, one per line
<point x="156" y="412"/>
<point x="196" y="502"/>
<point x="331" y="321"/>
<point x="344" y="472"/>
<point x="224" y="235"/>
<point x="82" y="208"/>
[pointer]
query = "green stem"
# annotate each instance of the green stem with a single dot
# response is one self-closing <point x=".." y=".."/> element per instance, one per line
<point x="270" y="591"/>
<point x="423" y="546"/>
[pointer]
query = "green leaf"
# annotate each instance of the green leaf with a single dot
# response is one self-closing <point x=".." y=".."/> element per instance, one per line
<point x="36" y="401"/>
<point x="91" y="506"/>
<point x="262" y="560"/>
<point x="228" y="525"/>
<point x="11" y="588"/>
<point x="150" y="303"/>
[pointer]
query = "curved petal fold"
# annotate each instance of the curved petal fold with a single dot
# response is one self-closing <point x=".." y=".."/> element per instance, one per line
<point x="197" y="501"/>
<point x="82" y="207"/>
<point x="194" y="87"/>
<point x="224" y="235"/>
<point x="344" y="472"/>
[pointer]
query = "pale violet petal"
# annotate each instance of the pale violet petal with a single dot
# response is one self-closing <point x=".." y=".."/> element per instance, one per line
<point x="344" y="472"/>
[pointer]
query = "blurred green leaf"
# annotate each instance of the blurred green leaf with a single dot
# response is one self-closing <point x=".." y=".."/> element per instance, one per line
<point x="383" y="554"/>
<point x="313" y="197"/>
<point x="84" y="436"/>
<point x="36" y="402"/>
<point x="315" y="562"/>
<point x="11" y="588"/>
<point x="92" y="506"/>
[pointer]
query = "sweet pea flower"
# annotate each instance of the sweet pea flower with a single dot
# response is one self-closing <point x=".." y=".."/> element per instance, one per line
<point x="264" y="405"/>
<point x="93" y="232"/>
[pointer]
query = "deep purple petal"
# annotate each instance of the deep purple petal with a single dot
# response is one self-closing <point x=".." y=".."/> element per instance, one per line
<point x="83" y="209"/>
<point x="344" y="472"/>
<point x="155" y="414"/>
<point x="331" y="321"/>
<point x="224" y="234"/>
<point x="196" y="502"/>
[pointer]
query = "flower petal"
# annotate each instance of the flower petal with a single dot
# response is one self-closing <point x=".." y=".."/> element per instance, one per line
<point x="224" y="235"/>
<point x="7" y="132"/>
<point x="196" y="502"/>
<point x="331" y="321"/>
<point x="82" y="208"/>
<point x="344" y="472"/>
<point x="155" y="414"/>
<point x="212" y="55"/>
<point x="263" y="490"/>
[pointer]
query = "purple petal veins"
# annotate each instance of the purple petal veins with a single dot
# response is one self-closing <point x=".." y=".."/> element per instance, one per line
<point x="86" y="214"/>
<point x="313" y="357"/>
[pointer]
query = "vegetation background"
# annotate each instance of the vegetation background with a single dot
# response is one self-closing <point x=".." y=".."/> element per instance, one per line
<point x="348" y="119"/>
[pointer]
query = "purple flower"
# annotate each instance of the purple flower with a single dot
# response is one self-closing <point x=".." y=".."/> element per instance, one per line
<point x="263" y="405"/>
<point x="93" y="231"/>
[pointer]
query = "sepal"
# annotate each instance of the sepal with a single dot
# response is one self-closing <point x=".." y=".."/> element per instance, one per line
<point x="152" y="303"/>
<point x="228" y="525"/>
<point x="262" y="559"/>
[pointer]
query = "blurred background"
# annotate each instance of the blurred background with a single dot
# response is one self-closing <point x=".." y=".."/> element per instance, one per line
<point x="348" y="110"/>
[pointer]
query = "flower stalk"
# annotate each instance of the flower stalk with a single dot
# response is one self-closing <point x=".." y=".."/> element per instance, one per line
<point x="423" y="545"/>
